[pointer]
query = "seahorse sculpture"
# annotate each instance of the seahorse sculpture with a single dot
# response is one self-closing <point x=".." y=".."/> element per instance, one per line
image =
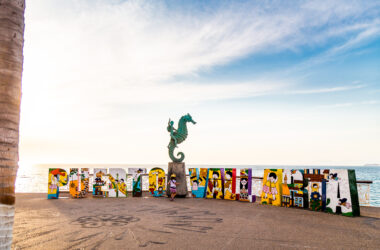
<point x="177" y="136"/>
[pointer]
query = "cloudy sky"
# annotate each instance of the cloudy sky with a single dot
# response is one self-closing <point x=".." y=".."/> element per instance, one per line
<point x="268" y="82"/>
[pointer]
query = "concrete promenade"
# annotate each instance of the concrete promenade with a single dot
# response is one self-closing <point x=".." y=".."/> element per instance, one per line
<point x="157" y="223"/>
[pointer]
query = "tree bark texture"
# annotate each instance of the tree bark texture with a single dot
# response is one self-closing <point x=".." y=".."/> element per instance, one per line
<point x="11" y="63"/>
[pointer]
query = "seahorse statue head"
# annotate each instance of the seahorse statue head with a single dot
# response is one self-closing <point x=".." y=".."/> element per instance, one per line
<point x="188" y="118"/>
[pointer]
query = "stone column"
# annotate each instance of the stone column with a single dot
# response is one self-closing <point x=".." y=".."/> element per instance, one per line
<point x="178" y="168"/>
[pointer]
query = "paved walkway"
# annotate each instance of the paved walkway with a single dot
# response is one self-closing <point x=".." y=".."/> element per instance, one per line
<point x="157" y="223"/>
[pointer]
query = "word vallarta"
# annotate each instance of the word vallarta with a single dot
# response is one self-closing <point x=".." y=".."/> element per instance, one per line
<point x="333" y="191"/>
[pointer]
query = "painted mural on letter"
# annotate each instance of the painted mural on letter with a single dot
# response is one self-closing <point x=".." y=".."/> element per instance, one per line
<point x="198" y="181"/>
<point x="230" y="184"/>
<point x="57" y="178"/>
<point x="117" y="182"/>
<point x="86" y="178"/>
<point x="157" y="182"/>
<point x="245" y="184"/>
<point x="99" y="187"/>
<point x="316" y="188"/>
<point x="194" y="183"/>
<point x="76" y="184"/>
<point x="272" y="187"/>
<point x="137" y="180"/>
<point x="341" y="193"/>
<point x="215" y="184"/>
<point x="293" y="193"/>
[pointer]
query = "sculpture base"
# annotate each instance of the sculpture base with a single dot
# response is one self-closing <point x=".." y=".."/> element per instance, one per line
<point x="178" y="168"/>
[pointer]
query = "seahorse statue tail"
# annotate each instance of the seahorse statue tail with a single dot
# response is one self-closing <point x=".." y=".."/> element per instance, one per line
<point x="171" y="154"/>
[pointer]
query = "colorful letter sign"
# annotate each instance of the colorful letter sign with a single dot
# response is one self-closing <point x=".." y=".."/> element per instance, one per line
<point x="57" y="178"/>
<point x="117" y="178"/>
<point x="157" y="182"/>
<point x="77" y="183"/>
<point x="198" y="181"/>
<point x="137" y="180"/>
<point x="272" y="188"/>
<point x="230" y="184"/>
<point x="342" y="195"/>
<point x="316" y="189"/>
<point x="245" y="184"/>
<point x="99" y="188"/>
<point x="293" y="194"/>
<point x="215" y="184"/>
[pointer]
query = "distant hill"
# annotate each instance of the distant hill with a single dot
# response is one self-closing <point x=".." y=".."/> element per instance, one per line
<point x="372" y="165"/>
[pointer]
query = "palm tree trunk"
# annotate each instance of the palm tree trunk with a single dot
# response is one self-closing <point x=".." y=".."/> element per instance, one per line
<point x="11" y="61"/>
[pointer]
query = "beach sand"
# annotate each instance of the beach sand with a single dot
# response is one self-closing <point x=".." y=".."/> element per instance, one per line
<point x="157" y="223"/>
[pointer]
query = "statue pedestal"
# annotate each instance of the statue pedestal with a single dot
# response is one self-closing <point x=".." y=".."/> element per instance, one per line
<point x="177" y="168"/>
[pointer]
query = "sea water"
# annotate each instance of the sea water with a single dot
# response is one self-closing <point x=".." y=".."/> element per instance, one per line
<point x="34" y="178"/>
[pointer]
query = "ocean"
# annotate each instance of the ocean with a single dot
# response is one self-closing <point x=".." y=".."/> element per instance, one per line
<point x="34" y="178"/>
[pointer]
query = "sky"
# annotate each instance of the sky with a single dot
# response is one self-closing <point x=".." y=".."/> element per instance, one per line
<point x="268" y="82"/>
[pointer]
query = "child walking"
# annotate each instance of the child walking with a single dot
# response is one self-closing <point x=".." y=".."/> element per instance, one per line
<point x="173" y="186"/>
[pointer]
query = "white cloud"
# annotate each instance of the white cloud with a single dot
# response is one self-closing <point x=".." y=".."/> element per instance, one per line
<point x="370" y="31"/>
<point x="350" y="104"/>
<point x="100" y="51"/>
<point x="324" y="90"/>
<point x="84" y="58"/>
<point x="358" y="34"/>
<point x="139" y="42"/>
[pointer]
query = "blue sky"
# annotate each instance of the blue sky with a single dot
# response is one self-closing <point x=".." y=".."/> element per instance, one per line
<point x="268" y="82"/>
